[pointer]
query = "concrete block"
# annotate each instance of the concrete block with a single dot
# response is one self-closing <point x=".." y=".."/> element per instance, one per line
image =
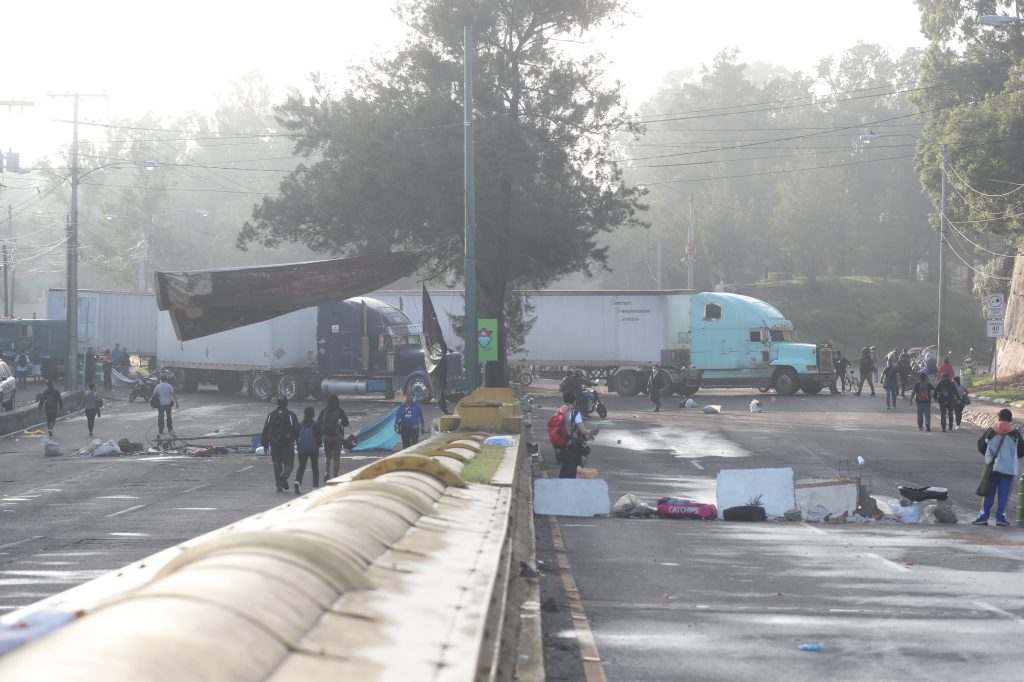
<point x="837" y="495"/>
<point x="775" y="487"/>
<point x="571" y="497"/>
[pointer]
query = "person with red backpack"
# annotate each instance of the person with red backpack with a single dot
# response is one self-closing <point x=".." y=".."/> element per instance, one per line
<point x="567" y="435"/>
<point x="921" y="393"/>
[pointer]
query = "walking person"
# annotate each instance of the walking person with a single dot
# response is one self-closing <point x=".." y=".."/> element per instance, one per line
<point x="874" y="362"/>
<point x="21" y="367"/>
<point x="409" y="421"/>
<point x="308" y="447"/>
<point x="332" y="421"/>
<point x="108" y="370"/>
<point x="962" y="401"/>
<point x="654" y="388"/>
<point x="52" y="403"/>
<point x="867" y="370"/>
<point x="946" y="395"/>
<point x="842" y="364"/>
<point x="931" y="366"/>
<point x="906" y="372"/>
<point x="91" y="402"/>
<point x="578" y="434"/>
<point x="921" y="393"/>
<point x="280" y="432"/>
<point x="1003" y="447"/>
<point x="164" y="399"/>
<point x="891" y="383"/>
<point x="945" y="370"/>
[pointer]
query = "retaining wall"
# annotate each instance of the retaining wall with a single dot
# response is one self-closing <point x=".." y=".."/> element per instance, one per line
<point x="30" y="415"/>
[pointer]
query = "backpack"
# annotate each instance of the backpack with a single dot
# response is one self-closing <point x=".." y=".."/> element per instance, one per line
<point x="558" y="433"/>
<point x="922" y="393"/>
<point x="330" y="425"/>
<point x="280" y="427"/>
<point x="21" y="362"/>
<point x="307" y="438"/>
<point x="942" y="396"/>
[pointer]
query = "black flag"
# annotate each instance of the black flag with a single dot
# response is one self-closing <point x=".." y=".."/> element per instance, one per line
<point x="435" y="351"/>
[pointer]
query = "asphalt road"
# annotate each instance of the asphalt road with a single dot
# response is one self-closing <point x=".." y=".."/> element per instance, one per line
<point x="66" y="520"/>
<point x="682" y="600"/>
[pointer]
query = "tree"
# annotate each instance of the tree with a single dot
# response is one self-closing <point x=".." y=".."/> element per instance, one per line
<point x="547" y="180"/>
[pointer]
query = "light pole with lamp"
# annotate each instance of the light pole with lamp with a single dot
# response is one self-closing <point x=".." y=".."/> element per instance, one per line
<point x="691" y="247"/>
<point x="146" y="231"/>
<point x="869" y="138"/>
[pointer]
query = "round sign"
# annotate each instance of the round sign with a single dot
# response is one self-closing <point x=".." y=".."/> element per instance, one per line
<point x="691" y="249"/>
<point x="995" y="300"/>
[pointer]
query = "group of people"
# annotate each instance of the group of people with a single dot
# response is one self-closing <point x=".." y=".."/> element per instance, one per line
<point x="948" y="393"/>
<point x="285" y="435"/>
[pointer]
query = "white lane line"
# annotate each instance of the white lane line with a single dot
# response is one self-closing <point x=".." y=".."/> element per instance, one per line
<point x="20" y="542"/>
<point x="811" y="526"/>
<point x="697" y="464"/>
<point x="129" y="535"/>
<point x="890" y="564"/>
<point x="195" y="488"/>
<point x="238" y="471"/>
<point x="118" y="497"/>
<point x="1002" y="612"/>
<point x="195" y="508"/>
<point x="125" y="511"/>
<point x="579" y="525"/>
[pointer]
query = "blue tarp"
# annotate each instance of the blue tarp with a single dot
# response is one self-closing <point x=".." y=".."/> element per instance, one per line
<point x="380" y="435"/>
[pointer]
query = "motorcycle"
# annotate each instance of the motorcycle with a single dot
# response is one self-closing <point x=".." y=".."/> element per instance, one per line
<point x="521" y="374"/>
<point x="143" y="387"/>
<point x="594" y="403"/>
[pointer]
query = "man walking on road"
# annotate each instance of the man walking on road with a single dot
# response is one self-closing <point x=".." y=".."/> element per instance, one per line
<point x="654" y="388"/>
<point x="921" y="394"/>
<point x="280" y="433"/>
<point x="946" y="370"/>
<point x="409" y="421"/>
<point x="165" y="399"/>
<point x="1003" y="447"/>
<point x="891" y="383"/>
<point x="572" y="454"/>
<point x="841" y="364"/>
<point x="52" y="403"/>
<point x="946" y="395"/>
<point x="867" y="370"/>
<point x="332" y="421"/>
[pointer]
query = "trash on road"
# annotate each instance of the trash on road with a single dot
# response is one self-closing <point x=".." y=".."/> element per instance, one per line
<point x="793" y="515"/>
<point x="745" y="512"/>
<point x="905" y="512"/>
<point x="922" y="494"/>
<point x="51" y="448"/>
<point x="712" y="409"/>
<point x="755" y="406"/>
<point x="944" y="513"/>
<point x="262" y="451"/>
<point x="682" y="508"/>
<point x="630" y="506"/>
<point x="34" y="432"/>
<point x="689" y="402"/>
<point x="812" y="646"/>
<point x="128" y="447"/>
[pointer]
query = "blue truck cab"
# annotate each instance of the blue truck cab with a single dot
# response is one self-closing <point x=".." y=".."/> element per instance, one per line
<point x="739" y="341"/>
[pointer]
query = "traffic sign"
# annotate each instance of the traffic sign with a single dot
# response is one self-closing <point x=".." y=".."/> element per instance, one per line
<point x="992" y="314"/>
<point x="995" y="300"/>
<point x="994" y="329"/>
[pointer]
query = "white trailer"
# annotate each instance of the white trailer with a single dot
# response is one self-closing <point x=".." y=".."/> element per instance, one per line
<point x="109" y="317"/>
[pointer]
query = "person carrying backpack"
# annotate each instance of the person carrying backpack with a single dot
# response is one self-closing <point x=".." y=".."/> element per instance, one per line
<point x="567" y="435"/>
<point x="962" y="401"/>
<point x="332" y="421"/>
<point x="890" y="382"/>
<point x="51" y="401"/>
<point x="946" y="395"/>
<point x="21" y="365"/>
<point x="308" y="448"/>
<point x="280" y="431"/>
<point x="921" y="394"/>
<point x="1003" y="447"/>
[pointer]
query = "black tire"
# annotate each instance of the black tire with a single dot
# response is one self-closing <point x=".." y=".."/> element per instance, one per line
<point x="602" y="411"/>
<point x="627" y="383"/>
<point x="811" y="387"/>
<point x="263" y="387"/>
<point x="747" y="512"/>
<point x="525" y="378"/>
<point x="189" y="380"/>
<point x="132" y="396"/>
<point x="9" y="405"/>
<point x="786" y="381"/>
<point x="764" y="389"/>
<point x="229" y="382"/>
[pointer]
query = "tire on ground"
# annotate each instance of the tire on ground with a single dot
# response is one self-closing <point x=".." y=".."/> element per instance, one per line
<point x="627" y="383"/>
<point x="786" y="381"/>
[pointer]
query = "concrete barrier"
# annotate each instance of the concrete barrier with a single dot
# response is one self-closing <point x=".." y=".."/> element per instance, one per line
<point x="30" y="415"/>
<point x="398" y="570"/>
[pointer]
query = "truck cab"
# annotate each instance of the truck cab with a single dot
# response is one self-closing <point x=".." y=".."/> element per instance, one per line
<point x="742" y="341"/>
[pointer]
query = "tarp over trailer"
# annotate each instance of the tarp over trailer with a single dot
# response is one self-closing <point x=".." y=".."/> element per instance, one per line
<point x="205" y="302"/>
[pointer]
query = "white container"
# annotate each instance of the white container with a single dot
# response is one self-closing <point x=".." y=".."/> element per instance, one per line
<point x="109" y="317"/>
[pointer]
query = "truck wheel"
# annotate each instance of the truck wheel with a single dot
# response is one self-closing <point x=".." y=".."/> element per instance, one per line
<point x="9" y="405"/>
<point x="627" y="383"/>
<point x="189" y="380"/>
<point x="263" y="387"/>
<point x="315" y="390"/>
<point x="291" y="387"/>
<point x="811" y="387"/>
<point x="420" y="388"/>
<point x="229" y="382"/>
<point x="786" y="381"/>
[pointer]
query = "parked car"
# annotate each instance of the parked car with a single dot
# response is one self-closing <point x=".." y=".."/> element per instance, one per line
<point x="8" y="385"/>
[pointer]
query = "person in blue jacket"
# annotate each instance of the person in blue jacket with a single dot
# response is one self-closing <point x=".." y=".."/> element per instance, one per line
<point x="409" y="421"/>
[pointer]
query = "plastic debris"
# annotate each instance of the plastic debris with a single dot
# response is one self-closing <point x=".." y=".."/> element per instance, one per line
<point x="630" y="506"/>
<point x="755" y="406"/>
<point x="51" y="448"/>
<point x="504" y="441"/>
<point x="905" y="513"/>
<point x="682" y="508"/>
<point x="261" y="451"/>
<point x="793" y="515"/>
<point x="35" y="432"/>
<point x="812" y="646"/>
<point x="944" y="514"/>
<point x="712" y="409"/>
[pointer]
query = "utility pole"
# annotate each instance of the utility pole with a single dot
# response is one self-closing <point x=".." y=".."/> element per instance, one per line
<point x="942" y="255"/>
<point x="9" y="264"/>
<point x="7" y="309"/>
<point x="71" y="369"/>
<point x="472" y="363"/>
<point x="691" y="249"/>
<point x="658" y="270"/>
<point x="14" y="251"/>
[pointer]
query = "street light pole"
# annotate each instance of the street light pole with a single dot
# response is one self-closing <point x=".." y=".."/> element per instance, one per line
<point x="71" y="368"/>
<point x="472" y="363"/>
<point x="690" y="248"/>
<point x="942" y="255"/>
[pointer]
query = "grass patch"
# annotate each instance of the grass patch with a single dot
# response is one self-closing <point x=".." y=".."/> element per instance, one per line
<point x="854" y="312"/>
<point x="482" y="467"/>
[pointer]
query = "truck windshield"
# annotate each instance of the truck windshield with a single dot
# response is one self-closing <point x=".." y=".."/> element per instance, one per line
<point x="783" y="335"/>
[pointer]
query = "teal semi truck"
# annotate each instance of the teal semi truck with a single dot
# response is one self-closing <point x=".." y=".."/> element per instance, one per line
<point x="709" y="340"/>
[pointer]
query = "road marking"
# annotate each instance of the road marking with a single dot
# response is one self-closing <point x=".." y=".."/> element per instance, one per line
<point x="812" y="527"/>
<point x="697" y="464"/>
<point x="195" y="508"/>
<point x="117" y="497"/>
<point x="238" y="471"/>
<point x="194" y="488"/>
<point x="125" y="511"/>
<point x="130" y="535"/>
<point x="592" y="669"/>
<point x="890" y="564"/>
<point x="20" y="542"/>
<point x="1002" y="612"/>
<point x="579" y="525"/>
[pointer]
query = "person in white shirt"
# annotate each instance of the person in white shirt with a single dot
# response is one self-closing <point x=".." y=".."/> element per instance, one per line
<point x="165" y="399"/>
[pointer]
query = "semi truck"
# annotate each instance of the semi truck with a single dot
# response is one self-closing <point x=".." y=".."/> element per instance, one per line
<point x="729" y="340"/>
<point x="357" y="346"/>
<point x="109" y="317"/>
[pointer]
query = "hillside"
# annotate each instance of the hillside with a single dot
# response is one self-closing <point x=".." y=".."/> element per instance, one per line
<point x="854" y="312"/>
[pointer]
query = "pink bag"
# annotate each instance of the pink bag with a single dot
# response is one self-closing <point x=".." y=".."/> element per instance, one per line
<point x="681" y="508"/>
